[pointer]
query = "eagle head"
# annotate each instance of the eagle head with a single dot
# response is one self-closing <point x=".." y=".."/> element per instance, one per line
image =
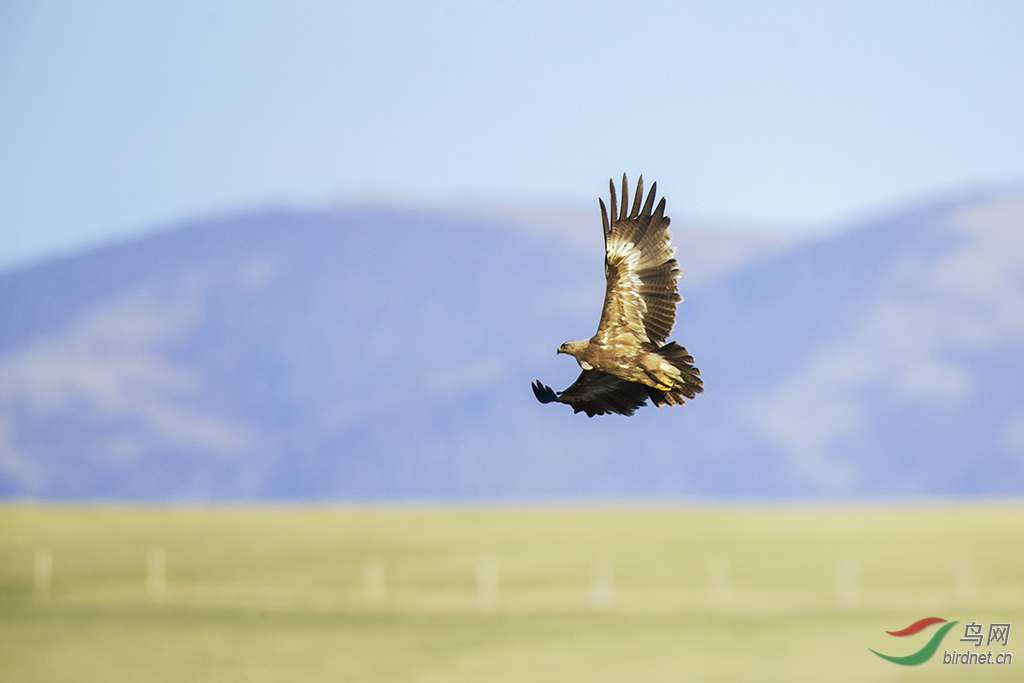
<point x="574" y="348"/>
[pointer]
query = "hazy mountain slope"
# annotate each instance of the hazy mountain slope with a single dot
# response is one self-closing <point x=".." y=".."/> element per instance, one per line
<point x="383" y="353"/>
<point x="884" y="360"/>
<point x="226" y="359"/>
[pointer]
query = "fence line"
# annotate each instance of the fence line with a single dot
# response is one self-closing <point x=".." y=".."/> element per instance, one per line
<point x="491" y="594"/>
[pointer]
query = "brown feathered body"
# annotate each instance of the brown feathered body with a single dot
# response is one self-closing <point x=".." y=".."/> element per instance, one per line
<point x="628" y="360"/>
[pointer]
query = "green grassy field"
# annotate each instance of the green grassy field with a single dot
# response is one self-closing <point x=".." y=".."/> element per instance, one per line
<point x="545" y="593"/>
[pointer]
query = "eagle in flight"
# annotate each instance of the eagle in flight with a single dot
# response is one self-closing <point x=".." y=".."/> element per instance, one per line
<point x="628" y="361"/>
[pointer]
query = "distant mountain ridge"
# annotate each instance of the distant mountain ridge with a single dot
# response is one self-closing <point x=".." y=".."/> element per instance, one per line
<point x="381" y="353"/>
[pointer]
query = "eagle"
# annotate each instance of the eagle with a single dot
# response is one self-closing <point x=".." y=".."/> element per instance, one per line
<point x="627" y="361"/>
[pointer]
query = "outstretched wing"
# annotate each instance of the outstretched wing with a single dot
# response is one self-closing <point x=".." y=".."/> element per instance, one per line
<point x="642" y="275"/>
<point x="596" y="393"/>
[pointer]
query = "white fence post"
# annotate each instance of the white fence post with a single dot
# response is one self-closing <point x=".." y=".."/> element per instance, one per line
<point x="719" y="583"/>
<point x="964" y="588"/>
<point x="847" y="583"/>
<point x="373" y="580"/>
<point x="44" y="573"/>
<point x="486" y="583"/>
<point x="602" y="587"/>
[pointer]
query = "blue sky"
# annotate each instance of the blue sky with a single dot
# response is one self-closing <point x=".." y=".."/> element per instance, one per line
<point x="117" y="117"/>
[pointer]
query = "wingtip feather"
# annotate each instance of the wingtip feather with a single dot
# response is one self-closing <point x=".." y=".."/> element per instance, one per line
<point x="625" y="198"/>
<point x="638" y="195"/>
<point x="659" y="212"/>
<point x="649" y="204"/>
<point x="614" y="202"/>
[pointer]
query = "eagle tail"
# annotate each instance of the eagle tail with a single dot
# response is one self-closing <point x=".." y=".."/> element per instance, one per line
<point x="691" y="383"/>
